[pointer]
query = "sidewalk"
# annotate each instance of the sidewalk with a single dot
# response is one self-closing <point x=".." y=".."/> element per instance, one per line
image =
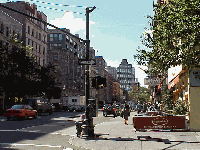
<point x="114" y="135"/>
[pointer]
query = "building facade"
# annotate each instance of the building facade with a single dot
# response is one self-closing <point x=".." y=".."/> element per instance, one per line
<point x="126" y="75"/>
<point x="63" y="53"/>
<point x="34" y="33"/>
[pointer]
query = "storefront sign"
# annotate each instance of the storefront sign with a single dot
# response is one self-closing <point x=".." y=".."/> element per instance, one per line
<point x="194" y="78"/>
<point x="152" y="81"/>
<point x="159" y="122"/>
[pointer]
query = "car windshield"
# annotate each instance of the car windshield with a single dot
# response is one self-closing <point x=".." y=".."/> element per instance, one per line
<point x="17" y="107"/>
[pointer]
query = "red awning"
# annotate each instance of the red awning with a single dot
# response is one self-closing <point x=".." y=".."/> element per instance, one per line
<point x="173" y="82"/>
<point x="159" y="86"/>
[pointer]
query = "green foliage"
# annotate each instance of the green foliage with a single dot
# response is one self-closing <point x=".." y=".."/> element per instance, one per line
<point x="142" y="94"/>
<point x="167" y="98"/>
<point x="180" y="108"/>
<point x="174" y="37"/>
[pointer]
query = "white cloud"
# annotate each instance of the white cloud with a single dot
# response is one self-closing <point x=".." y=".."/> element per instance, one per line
<point x="68" y="21"/>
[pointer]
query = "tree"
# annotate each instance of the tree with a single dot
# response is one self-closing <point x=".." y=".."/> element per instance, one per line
<point x="175" y="38"/>
<point x="142" y="94"/>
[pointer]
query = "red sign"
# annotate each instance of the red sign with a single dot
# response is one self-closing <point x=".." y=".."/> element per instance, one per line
<point x="159" y="122"/>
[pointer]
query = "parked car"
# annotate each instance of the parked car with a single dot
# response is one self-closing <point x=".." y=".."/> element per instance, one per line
<point x="39" y="104"/>
<point x="20" y="111"/>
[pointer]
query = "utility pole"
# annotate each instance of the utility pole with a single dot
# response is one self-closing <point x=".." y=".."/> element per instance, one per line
<point x="87" y="128"/>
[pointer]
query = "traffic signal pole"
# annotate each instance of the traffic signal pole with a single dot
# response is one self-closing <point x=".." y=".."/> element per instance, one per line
<point x="87" y="128"/>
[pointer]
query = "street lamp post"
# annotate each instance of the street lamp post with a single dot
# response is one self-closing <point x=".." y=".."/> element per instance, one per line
<point x="87" y="128"/>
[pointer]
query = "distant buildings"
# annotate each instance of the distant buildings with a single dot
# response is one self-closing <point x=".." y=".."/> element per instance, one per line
<point x="126" y="75"/>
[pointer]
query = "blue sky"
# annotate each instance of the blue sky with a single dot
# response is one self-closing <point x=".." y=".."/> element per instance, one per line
<point x="115" y="26"/>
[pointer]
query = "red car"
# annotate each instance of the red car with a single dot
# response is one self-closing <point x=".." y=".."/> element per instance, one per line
<point x="20" y="111"/>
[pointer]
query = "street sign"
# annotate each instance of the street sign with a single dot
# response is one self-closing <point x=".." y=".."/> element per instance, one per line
<point x="86" y="62"/>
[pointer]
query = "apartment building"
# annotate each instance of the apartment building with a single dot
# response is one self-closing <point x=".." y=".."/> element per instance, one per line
<point x="64" y="50"/>
<point x="34" y="33"/>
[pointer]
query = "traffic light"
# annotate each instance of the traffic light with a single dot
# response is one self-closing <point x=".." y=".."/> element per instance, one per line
<point x="98" y="82"/>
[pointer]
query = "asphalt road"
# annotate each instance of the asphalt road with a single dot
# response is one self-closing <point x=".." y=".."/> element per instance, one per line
<point x="39" y="133"/>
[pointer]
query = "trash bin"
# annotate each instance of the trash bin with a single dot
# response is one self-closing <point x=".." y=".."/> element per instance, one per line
<point x="78" y="127"/>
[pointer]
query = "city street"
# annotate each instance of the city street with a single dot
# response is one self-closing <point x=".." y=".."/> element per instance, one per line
<point x="45" y="132"/>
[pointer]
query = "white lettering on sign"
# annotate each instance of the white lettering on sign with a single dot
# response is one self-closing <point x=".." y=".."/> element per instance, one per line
<point x="155" y="81"/>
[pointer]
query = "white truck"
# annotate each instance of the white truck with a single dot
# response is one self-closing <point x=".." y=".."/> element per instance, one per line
<point x="56" y="104"/>
<point x="76" y="103"/>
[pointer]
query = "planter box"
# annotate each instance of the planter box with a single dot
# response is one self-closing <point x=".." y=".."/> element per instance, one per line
<point x="159" y="122"/>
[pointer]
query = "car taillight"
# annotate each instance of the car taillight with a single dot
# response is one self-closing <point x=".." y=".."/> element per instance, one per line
<point x="114" y="109"/>
<point x="102" y="108"/>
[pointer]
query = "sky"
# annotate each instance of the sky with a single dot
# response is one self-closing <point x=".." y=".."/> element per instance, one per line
<point x="115" y="25"/>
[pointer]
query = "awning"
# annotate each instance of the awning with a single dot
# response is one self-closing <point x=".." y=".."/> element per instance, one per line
<point x="159" y="86"/>
<point x="175" y="80"/>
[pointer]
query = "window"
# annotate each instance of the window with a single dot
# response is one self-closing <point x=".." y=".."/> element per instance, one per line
<point x="39" y="49"/>
<point x="2" y="28"/>
<point x="43" y="50"/>
<point x="74" y="100"/>
<point x="55" y="46"/>
<point x="55" y="57"/>
<point x="43" y="62"/>
<point x="60" y="37"/>
<point x="7" y="31"/>
<point x="32" y="44"/>
<point x="56" y="37"/>
<point x="36" y="35"/>
<point x="67" y="38"/>
<point x="51" y="37"/>
<point x="39" y="36"/>
<point x="28" y="29"/>
<point x="14" y="32"/>
<point x="60" y="46"/>
<point x="67" y="47"/>
<point x="51" y="46"/>
<point x="32" y="32"/>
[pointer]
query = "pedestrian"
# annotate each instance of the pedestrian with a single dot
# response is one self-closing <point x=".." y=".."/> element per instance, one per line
<point x="138" y="108"/>
<point x="126" y="114"/>
<point x="144" y="107"/>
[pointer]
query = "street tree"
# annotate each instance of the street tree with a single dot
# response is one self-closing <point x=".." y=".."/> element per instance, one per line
<point x="174" y="38"/>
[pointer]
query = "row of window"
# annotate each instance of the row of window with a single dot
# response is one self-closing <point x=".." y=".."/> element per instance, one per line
<point x="124" y="76"/>
<point x="7" y="32"/>
<point x="56" y="37"/>
<point x="37" y="46"/>
<point x="36" y="34"/>
<point x="124" y="70"/>
<point x="59" y="37"/>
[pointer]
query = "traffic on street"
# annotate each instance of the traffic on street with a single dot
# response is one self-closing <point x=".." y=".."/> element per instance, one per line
<point x="46" y="130"/>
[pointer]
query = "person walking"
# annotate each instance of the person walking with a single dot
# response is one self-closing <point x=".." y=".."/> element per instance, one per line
<point x="144" y="107"/>
<point x="126" y="114"/>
